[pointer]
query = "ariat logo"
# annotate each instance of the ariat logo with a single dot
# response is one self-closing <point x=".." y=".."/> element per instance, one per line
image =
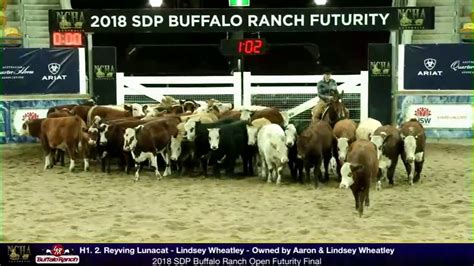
<point x="430" y="64"/>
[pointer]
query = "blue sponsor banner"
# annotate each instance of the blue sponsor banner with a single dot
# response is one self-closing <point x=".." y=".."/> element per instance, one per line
<point x="39" y="71"/>
<point x="442" y="116"/>
<point x="439" y="67"/>
<point x="239" y="254"/>
<point x="14" y="113"/>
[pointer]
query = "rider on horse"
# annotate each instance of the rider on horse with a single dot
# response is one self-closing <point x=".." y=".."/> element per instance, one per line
<point x="327" y="88"/>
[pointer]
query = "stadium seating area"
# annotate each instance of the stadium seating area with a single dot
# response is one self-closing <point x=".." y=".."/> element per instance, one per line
<point x="10" y="36"/>
<point x="467" y="30"/>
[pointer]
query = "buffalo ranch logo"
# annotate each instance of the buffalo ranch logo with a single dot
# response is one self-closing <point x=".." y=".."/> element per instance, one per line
<point x="423" y="114"/>
<point x="430" y="64"/>
<point x="54" y="69"/>
<point x="57" y="255"/>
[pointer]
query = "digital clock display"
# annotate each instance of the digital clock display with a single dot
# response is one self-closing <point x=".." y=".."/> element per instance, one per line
<point x="242" y="47"/>
<point x="67" y="39"/>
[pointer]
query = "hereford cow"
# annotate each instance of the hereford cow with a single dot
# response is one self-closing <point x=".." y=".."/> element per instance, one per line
<point x="33" y="128"/>
<point x="81" y="111"/>
<point x="360" y="168"/>
<point x="59" y="113"/>
<point x="315" y="144"/>
<point x="111" y="140"/>
<point x="366" y="128"/>
<point x="69" y="107"/>
<point x="146" y="141"/>
<point x="413" y="155"/>
<point x="64" y="133"/>
<point x="389" y="146"/>
<point x="272" y="114"/>
<point x="273" y="151"/>
<point x="114" y="112"/>
<point x="345" y="132"/>
<point x="228" y="142"/>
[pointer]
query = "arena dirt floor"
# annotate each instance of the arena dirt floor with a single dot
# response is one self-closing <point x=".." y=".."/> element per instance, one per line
<point x="58" y="206"/>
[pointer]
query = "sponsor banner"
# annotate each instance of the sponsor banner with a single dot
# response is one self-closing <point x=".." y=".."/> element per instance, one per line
<point x="438" y="67"/>
<point x="39" y="71"/>
<point x="14" y="113"/>
<point x="247" y="19"/>
<point x="105" y="69"/>
<point x="441" y="116"/>
<point x="380" y="81"/>
<point x="239" y="254"/>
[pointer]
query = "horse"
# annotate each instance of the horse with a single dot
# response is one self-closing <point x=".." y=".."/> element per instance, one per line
<point x="335" y="110"/>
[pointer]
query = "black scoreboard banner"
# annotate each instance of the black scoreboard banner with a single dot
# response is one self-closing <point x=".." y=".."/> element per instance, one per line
<point x="250" y="20"/>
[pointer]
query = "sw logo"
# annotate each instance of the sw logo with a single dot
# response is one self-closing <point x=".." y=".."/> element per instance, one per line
<point x="430" y="64"/>
<point x="57" y="255"/>
<point x="19" y="254"/>
<point x="54" y="69"/>
<point x="423" y="115"/>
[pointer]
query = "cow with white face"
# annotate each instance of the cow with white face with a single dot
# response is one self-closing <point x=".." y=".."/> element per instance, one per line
<point x="360" y="168"/>
<point x="414" y="141"/>
<point x="146" y="141"/>
<point x="214" y="138"/>
<point x="389" y="146"/>
<point x="230" y="141"/>
<point x="137" y="109"/>
<point x="290" y="135"/>
<point x="190" y="128"/>
<point x="245" y="115"/>
<point x="253" y="128"/>
<point x="273" y="152"/>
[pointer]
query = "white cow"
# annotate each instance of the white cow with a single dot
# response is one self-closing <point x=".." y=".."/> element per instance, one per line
<point x="366" y="128"/>
<point x="254" y="127"/>
<point x="273" y="151"/>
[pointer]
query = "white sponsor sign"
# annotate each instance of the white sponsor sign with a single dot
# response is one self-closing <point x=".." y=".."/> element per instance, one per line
<point x="441" y="115"/>
<point x="22" y="115"/>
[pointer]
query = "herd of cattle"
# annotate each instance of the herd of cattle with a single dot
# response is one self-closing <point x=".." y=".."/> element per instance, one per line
<point x="212" y="133"/>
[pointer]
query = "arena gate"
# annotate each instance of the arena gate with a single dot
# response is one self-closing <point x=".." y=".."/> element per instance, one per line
<point x="296" y="94"/>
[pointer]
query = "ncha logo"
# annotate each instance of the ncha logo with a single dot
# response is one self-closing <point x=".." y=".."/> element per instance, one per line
<point x="104" y="71"/>
<point x="70" y="19"/>
<point x="411" y="17"/>
<point x="19" y="253"/>
<point x="380" y="68"/>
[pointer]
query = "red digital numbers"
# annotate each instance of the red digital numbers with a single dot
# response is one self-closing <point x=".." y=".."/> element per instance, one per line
<point x="67" y="39"/>
<point x="250" y="47"/>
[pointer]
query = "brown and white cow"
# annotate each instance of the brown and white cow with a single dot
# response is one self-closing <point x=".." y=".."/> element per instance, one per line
<point x="413" y="155"/>
<point x="360" y="168"/>
<point x="389" y="146"/>
<point x="64" y="133"/>
<point x="345" y="132"/>
<point x="315" y="145"/>
<point x="146" y="141"/>
<point x="114" y="112"/>
<point x="272" y="114"/>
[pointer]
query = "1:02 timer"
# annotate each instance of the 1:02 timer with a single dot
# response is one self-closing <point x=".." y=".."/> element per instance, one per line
<point x="250" y="47"/>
